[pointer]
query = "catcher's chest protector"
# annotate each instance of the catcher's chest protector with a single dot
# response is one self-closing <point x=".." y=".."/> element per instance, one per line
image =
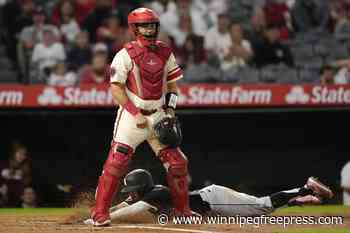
<point x="147" y="79"/>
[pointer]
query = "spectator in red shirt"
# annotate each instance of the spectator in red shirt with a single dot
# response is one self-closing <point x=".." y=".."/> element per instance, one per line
<point x="96" y="73"/>
<point x="84" y="7"/>
<point x="277" y="13"/>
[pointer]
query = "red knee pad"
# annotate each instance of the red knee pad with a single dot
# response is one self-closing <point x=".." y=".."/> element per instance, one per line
<point x="174" y="161"/>
<point x="118" y="159"/>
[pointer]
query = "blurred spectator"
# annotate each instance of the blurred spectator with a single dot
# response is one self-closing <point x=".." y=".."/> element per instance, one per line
<point x="310" y="14"/>
<point x="340" y="18"/>
<point x="163" y="36"/>
<point x="159" y="6"/>
<point x="277" y="12"/>
<point x="237" y="51"/>
<point x="343" y="74"/>
<point x="96" y="73"/>
<point x="64" y="17"/>
<point x="192" y="53"/>
<point x="170" y="19"/>
<point x="30" y="36"/>
<point x="199" y="15"/>
<point x="337" y="72"/>
<point x="60" y="77"/>
<point x="214" y="8"/>
<point x="270" y="51"/>
<point x="17" y="174"/>
<point x="258" y="23"/>
<point x="3" y="195"/>
<point x="113" y="34"/>
<point x="29" y="198"/>
<point x="184" y="29"/>
<point x="80" y="54"/>
<point x="95" y="19"/>
<point x="16" y="15"/>
<point x="47" y="54"/>
<point x="193" y="59"/>
<point x="218" y="36"/>
<point x="25" y="18"/>
<point x="83" y="9"/>
<point x="327" y="73"/>
<point x="345" y="183"/>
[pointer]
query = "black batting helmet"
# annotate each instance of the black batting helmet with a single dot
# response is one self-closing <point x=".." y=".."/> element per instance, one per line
<point x="138" y="180"/>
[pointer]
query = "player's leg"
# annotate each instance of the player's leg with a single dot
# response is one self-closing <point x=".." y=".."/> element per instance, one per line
<point x="228" y="202"/>
<point x="175" y="163"/>
<point x="311" y="193"/>
<point x="126" y="138"/>
<point x="293" y="196"/>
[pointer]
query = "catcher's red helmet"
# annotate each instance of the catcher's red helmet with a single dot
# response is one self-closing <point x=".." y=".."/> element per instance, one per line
<point x="143" y="16"/>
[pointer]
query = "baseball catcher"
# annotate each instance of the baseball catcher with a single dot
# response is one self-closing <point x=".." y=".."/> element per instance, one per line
<point x="146" y="200"/>
<point x="143" y="79"/>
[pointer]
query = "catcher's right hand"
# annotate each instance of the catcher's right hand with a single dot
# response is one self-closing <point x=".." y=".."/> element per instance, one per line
<point x="141" y="121"/>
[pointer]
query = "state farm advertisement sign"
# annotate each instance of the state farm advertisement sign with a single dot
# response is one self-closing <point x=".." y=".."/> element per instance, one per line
<point x="319" y="95"/>
<point x="195" y="95"/>
<point x="225" y="95"/>
<point x="72" y="96"/>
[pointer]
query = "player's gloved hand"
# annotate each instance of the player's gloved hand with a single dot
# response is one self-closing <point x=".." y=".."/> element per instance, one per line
<point x="141" y="121"/>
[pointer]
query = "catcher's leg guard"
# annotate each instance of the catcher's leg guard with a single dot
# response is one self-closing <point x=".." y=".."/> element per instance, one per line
<point x="176" y="164"/>
<point x="114" y="169"/>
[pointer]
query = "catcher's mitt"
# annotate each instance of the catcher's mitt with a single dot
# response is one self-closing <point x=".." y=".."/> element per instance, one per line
<point x="168" y="131"/>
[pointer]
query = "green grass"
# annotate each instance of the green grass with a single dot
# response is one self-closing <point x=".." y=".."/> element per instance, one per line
<point x="327" y="209"/>
<point x="314" y="231"/>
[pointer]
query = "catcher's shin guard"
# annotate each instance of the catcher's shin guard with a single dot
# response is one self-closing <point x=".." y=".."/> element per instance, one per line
<point x="114" y="169"/>
<point x="176" y="164"/>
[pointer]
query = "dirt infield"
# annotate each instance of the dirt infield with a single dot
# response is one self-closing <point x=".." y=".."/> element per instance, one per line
<point x="38" y="222"/>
